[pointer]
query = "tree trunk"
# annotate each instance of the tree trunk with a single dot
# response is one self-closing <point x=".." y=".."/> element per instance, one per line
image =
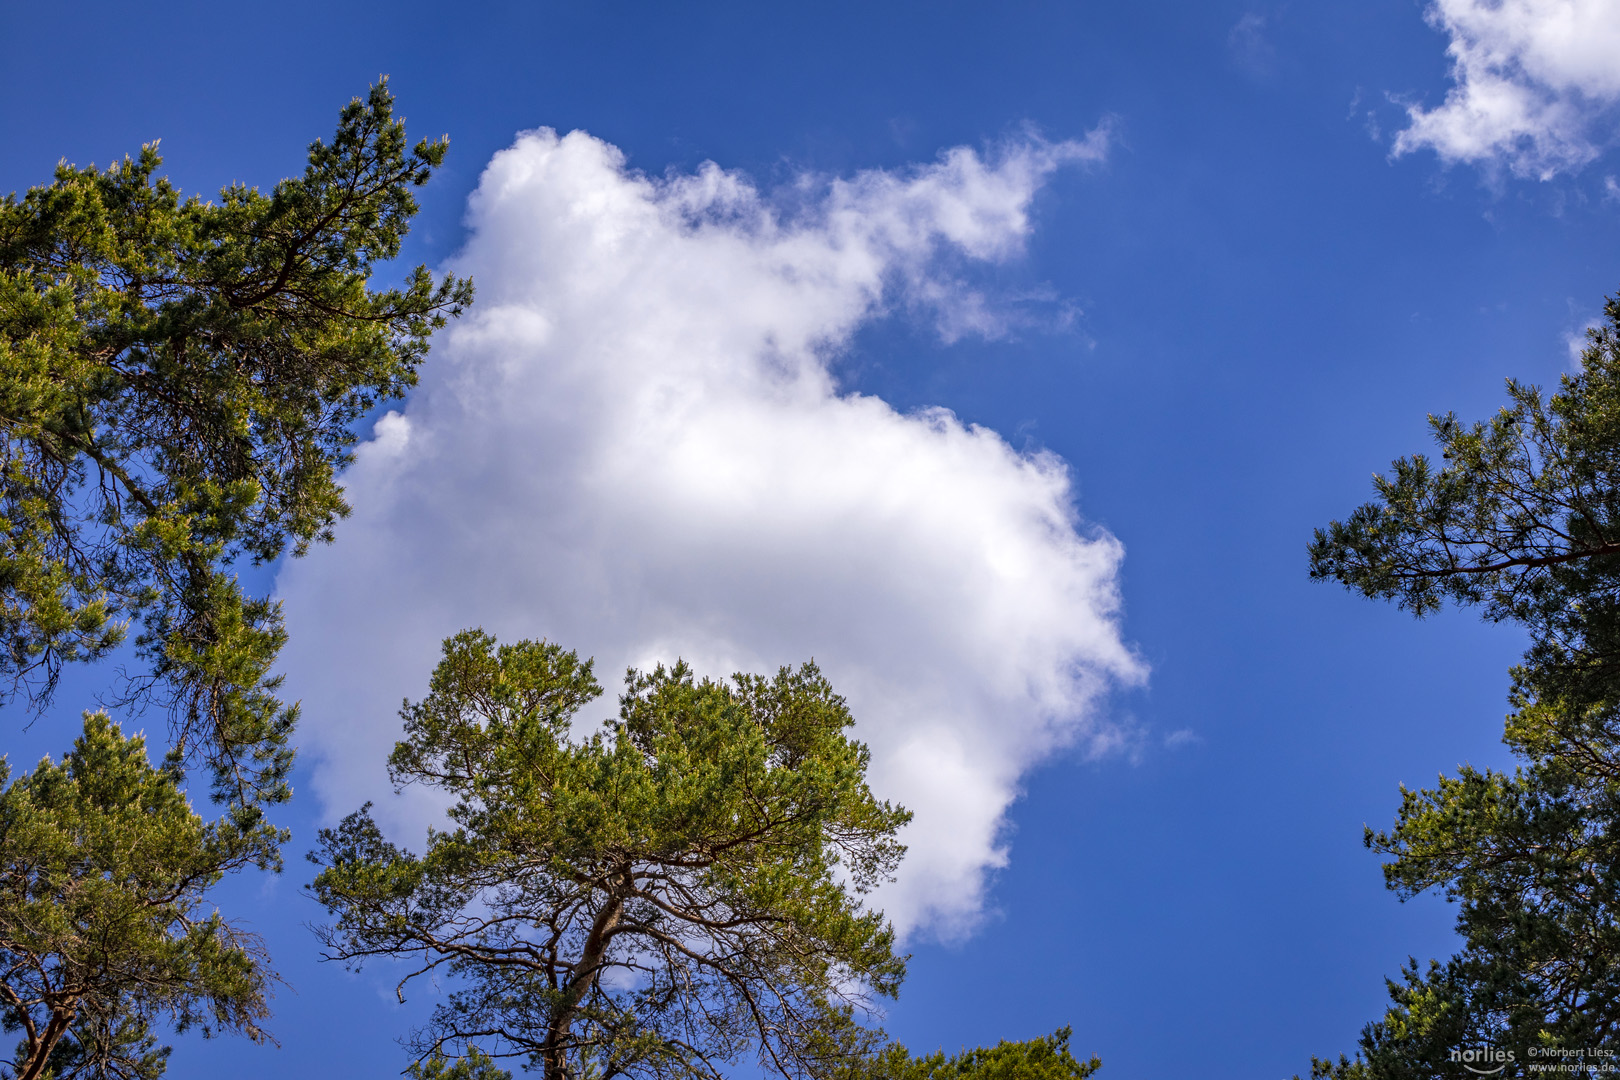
<point x="39" y="1050"/>
<point x="583" y="976"/>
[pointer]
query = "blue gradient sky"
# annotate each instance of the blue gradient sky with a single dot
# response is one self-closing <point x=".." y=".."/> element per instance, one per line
<point x="1270" y="304"/>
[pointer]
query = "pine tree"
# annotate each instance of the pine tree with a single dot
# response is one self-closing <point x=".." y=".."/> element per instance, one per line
<point x="1523" y="522"/>
<point x="179" y="381"/>
<point x="103" y="925"/>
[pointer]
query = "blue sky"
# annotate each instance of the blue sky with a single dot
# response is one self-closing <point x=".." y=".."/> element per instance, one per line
<point x="1197" y="298"/>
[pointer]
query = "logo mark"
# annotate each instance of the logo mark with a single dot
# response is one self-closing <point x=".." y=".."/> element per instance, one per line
<point x="1480" y="1060"/>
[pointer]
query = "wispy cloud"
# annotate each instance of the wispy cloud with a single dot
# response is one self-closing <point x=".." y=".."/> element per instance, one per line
<point x="1577" y="339"/>
<point x="1249" y="46"/>
<point x="1536" y="85"/>
<point x="634" y="445"/>
<point x="1175" y="740"/>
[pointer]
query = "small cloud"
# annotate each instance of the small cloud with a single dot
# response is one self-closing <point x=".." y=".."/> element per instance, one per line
<point x="1182" y="737"/>
<point x="1368" y="117"/>
<point x="1123" y="737"/>
<point x="1535" y="81"/>
<point x="1247" y="44"/>
<point x="1611" y="189"/>
<point x="1577" y="340"/>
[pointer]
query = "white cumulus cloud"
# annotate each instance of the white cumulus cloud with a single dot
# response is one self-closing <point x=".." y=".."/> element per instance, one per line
<point x="1535" y="81"/>
<point x="634" y="445"/>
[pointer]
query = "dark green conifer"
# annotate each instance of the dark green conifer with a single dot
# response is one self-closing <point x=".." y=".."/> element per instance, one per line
<point x="179" y="380"/>
<point x="1522" y="520"/>
<point x="103" y="926"/>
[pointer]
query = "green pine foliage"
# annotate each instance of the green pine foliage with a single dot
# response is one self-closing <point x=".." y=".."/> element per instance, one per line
<point x="178" y="385"/>
<point x="1522" y="521"/>
<point x="103" y="927"/>
<point x="473" y="1065"/>
<point x="1044" y="1058"/>
<point x="678" y="891"/>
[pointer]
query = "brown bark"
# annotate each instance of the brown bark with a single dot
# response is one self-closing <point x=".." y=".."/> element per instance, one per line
<point x="582" y="977"/>
<point x="40" y="1047"/>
